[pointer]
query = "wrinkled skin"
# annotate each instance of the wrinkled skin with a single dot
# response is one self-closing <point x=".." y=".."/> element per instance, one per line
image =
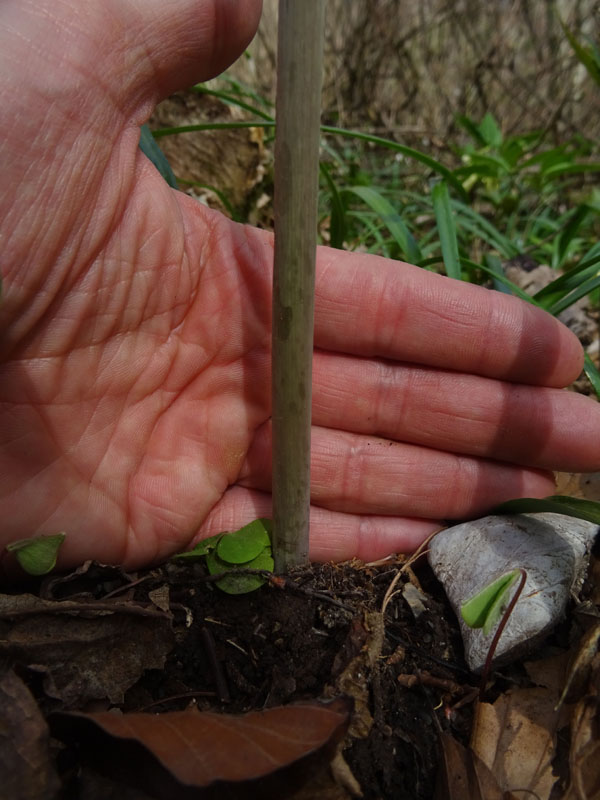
<point x="135" y="354"/>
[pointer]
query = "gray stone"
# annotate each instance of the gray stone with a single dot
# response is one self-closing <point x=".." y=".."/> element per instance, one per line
<point x="552" y="548"/>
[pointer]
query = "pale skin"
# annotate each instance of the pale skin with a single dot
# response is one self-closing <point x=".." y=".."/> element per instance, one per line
<point x="135" y="351"/>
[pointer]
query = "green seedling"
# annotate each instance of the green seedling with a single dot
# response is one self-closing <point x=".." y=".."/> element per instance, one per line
<point x="238" y="578"/>
<point x="37" y="555"/>
<point x="237" y="556"/>
<point x="486" y="607"/>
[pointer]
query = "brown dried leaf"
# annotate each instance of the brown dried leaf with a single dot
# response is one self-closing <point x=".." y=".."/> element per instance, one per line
<point x="464" y="776"/>
<point x="85" y="650"/>
<point x="574" y="484"/>
<point x="174" y="753"/>
<point x="580" y="666"/>
<point x="515" y="737"/>
<point x="366" y="641"/>
<point x="26" y="772"/>
<point x="584" y="756"/>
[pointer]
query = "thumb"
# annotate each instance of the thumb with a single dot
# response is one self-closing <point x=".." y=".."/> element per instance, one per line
<point x="135" y="51"/>
<point x="183" y="42"/>
<point x="76" y="79"/>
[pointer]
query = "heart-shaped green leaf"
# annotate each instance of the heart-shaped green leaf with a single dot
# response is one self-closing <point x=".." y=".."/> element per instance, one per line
<point x="236" y="580"/>
<point x="37" y="555"/>
<point x="242" y="546"/>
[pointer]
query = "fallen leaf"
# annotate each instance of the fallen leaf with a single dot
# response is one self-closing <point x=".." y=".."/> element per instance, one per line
<point x="550" y="671"/>
<point x="85" y="650"/>
<point x="355" y="679"/>
<point x="584" y="755"/>
<point x="85" y="580"/>
<point x="580" y="666"/>
<point x="585" y="486"/>
<point x="176" y="754"/>
<point x="515" y="738"/>
<point x="463" y="775"/>
<point x="26" y="772"/>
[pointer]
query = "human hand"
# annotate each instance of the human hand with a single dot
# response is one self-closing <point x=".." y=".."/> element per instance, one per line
<point x="135" y="356"/>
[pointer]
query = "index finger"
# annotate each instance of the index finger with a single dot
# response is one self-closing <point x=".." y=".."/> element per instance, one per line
<point x="371" y="306"/>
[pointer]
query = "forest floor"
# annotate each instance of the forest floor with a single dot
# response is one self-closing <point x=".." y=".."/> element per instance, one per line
<point x="167" y="640"/>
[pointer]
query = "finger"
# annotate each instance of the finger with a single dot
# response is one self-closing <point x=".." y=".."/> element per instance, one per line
<point x="370" y="306"/>
<point x="467" y="414"/>
<point x="369" y="475"/>
<point x="334" y="536"/>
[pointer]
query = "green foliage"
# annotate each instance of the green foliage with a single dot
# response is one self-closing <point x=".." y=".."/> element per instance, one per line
<point x="485" y="608"/>
<point x="557" y="504"/>
<point x="494" y="197"/>
<point x="37" y="556"/>
<point x="588" y="55"/>
<point x="234" y="555"/>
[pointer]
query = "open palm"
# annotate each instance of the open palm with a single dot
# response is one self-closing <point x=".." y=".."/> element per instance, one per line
<point x="135" y="372"/>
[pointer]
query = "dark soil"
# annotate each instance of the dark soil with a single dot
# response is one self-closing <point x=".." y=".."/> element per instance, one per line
<point x="282" y="644"/>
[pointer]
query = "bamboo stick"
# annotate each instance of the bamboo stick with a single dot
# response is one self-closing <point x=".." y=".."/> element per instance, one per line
<point x="299" y="76"/>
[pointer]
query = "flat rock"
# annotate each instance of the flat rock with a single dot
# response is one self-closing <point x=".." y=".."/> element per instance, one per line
<point x="552" y="548"/>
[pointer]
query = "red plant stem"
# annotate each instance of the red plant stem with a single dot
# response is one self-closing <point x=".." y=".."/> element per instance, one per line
<point x="499" y="630"/>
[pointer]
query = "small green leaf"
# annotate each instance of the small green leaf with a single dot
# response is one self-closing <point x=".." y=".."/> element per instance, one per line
<point x="489" y="130"/>
<point x="37" y="555"/>
<point x="202" y="549"/>
<point x="557" y="504"/>
<point x="236" y="581"/>
<point x="485" y="608"/>
<point x="244" y="545"/>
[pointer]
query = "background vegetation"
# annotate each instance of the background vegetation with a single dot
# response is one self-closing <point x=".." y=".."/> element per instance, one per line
<point x="462" y="136"/>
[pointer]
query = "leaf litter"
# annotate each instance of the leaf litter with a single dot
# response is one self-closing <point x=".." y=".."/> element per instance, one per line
<point x="416" y="729"/>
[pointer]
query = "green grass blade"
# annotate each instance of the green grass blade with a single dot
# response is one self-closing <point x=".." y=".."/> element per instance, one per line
<point x="557" y="504"/>
<point x="585" y="288"/>
<point x="494" y="265"/>
<point x="572" y="169"/>
<point x="380" y="246"/>
<point x="337" y="214"/>
<point x="447" y="229"/>
<point x="410" y="152"/>
<point x="391" y="219"/>
<point x="212" y="126"/>
<point x="578" y="217"/>
<point x="514" y="289"/>
<point x="150" y="149"/>
<point x="591" y="370"/>
<point x="233" y="100"/>
<point x="587" y="268"/>
<point x="484" y="229"/>
<point x="586" y="55"/>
